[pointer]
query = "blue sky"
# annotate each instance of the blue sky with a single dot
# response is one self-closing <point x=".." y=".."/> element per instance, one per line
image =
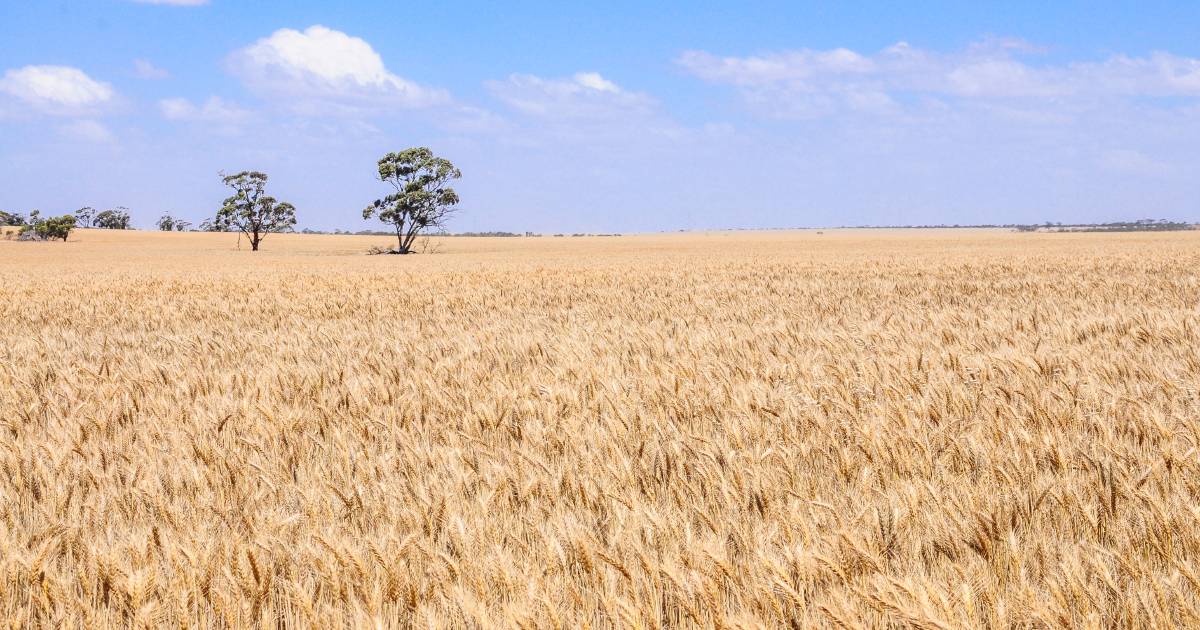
<point x="620" y="116"/>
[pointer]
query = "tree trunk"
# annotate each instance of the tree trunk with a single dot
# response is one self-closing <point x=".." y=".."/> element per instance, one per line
<point x="409" y="237"/>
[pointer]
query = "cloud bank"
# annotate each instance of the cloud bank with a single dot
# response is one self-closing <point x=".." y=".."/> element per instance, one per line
<point x="809" y="83"/>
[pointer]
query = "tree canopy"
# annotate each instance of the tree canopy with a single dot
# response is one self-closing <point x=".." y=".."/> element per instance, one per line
<point x="168" y="223"/>
<point x="84" y="215"/>
<point x="115" y="219"/>
<point x="11" y="218"/>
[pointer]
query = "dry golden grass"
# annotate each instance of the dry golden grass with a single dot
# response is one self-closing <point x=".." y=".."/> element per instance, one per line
<point x="862" y="428"/>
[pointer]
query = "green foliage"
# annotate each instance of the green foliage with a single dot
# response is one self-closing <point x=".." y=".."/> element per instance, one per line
<point x="167" y="223"/>
<point x="422" y="199"/>
<point x="84" y="215"/>
<point x="11" y="218"/>
<point x="250" y="210"/>
<point x="51" y="228"/>
<point x="115" y="219"/>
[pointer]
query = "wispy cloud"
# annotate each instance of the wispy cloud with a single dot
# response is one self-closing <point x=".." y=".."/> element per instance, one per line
<point x="1133" y="162"/>
<point x="214" y="109"/>
<point x="144" y="69"/>
<point x="87" y="131"/>
<point x="808" y="83"/>
<point x="584" y="95"/>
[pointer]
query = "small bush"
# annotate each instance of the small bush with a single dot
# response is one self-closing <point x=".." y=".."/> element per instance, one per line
<point x="376" y="250"/>
<point x="48" y="229"/>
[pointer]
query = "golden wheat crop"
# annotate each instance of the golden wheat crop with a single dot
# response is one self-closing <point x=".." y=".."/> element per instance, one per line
<point x="926" y="429"/>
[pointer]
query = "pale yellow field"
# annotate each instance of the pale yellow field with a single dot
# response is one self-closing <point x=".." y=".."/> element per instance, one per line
<point x="928" y="429"/>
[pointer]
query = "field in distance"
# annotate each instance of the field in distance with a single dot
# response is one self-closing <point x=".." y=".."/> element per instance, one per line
<point x="880" y="428"/>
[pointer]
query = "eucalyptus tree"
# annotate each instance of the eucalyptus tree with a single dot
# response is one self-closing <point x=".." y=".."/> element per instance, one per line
<point x="423" y="197"/>
<point x="251" y="211"/>
<point x="115" y="219"/>
<point x="83" y="216"/>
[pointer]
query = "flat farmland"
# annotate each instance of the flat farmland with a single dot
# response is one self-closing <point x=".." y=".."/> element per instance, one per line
<point x="855" y="428"/>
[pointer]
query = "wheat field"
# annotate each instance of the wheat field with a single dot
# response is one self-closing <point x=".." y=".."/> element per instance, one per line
<point x="886" y="429"/>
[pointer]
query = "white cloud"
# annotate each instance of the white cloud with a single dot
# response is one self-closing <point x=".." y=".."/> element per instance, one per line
<point x="999" y="78"/>
<point x="214" y="109"/>
<point x="175" y="3"/>
<point x="56" y="89"/>
<point x="821" y="82"/>
<point x="593" y="80"/>
<point x="87" y="131"/>
<point x="324" y="69"/>
<point x="585" y="95"/>
<point x="143" y="69"/>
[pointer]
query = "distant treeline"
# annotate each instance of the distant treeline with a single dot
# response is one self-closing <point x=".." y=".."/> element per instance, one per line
<point x="448" y="234"/>
<point x="386" y="233"/>
<point x="1141" y="225"/>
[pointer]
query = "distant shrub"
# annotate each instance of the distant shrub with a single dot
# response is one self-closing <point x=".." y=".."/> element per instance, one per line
<point x="168" y="223"/>
<point x="115" y="219"/>
<point x="48" y="229"/>
<point x="11" y="218"/>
